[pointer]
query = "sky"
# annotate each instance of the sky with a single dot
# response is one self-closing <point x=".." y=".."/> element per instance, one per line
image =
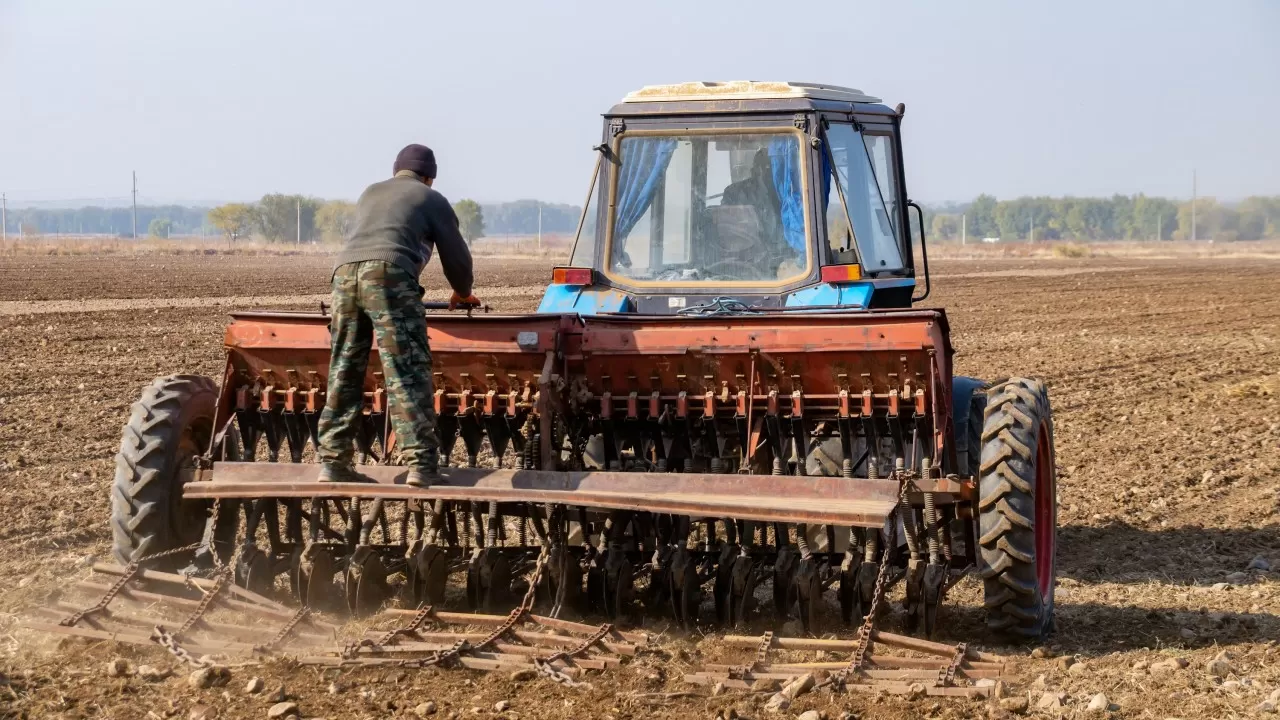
<point x="229" y="100"/>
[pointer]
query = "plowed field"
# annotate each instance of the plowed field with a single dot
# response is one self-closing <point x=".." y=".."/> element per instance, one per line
<point x="1165" y="382"/>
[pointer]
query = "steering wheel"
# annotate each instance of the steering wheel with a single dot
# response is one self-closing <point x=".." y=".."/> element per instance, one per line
<point x="737" y="270"/>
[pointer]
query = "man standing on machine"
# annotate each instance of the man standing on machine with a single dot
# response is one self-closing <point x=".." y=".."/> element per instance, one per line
<point x="377" y="296"/>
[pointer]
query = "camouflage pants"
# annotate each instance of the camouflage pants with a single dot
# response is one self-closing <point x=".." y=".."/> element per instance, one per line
<point x="379" y="300"/>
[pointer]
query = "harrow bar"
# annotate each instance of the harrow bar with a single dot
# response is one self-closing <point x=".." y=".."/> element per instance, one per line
<point x="139" y="611"/>
<point x="894" y="674"/>
<point x="834" y="500"/>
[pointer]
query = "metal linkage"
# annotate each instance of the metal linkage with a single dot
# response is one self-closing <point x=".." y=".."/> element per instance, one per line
<point x="166" y="640"/>
<point x="130" y="571"/>
<point x="205" y="603"/>
<point x="275" y="642"/>
<point x="947" y="676"/>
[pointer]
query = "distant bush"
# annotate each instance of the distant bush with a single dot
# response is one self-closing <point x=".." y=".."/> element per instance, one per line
<point x="1072" y="250"/>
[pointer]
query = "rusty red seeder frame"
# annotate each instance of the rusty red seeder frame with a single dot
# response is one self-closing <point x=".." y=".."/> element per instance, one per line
<point x="769" y="377"/>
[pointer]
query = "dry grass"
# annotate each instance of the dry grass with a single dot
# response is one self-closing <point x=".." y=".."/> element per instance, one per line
<point x="1255" y="387"/>
<point x="1072" y="250"/>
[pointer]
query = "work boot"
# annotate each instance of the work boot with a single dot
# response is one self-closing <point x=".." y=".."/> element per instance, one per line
<point x="338" y="473"/>
<point x="421" y="477"/>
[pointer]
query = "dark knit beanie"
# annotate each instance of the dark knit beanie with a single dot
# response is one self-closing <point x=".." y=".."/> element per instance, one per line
<point x="417" y="158"/>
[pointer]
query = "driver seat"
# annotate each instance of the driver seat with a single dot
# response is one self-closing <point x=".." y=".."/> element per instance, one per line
<point x="738" y="230"/>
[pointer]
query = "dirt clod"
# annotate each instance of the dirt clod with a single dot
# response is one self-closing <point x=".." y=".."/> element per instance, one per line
<point x="255" y="686"/>
<point x="283" y="710"/>
<point x="207" y="677"/>
<point x="1051" y="701"/>
<point x="1017" y="704"/>
<point x="1099" y="703"/>
<point x="777" y="703"/>
<point x="118" y="668"/>
<point x="150" y="673"/>
<point x="1170" y="665"/>
<point x="425" y="709"/>
<point x="798" y="687"/>
<point x="524" y="675"/>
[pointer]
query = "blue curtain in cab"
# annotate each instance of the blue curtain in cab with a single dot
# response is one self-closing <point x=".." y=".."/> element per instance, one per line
<point x="785" y="159"/>
<point x="644" y="162"/>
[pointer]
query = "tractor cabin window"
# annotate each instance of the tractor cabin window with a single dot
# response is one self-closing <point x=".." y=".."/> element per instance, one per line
<point x="709" y="208"/>
<point x="874" y="230"/>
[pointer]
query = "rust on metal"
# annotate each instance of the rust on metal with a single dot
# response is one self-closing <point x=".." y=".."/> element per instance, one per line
<point x="817" y="499"/>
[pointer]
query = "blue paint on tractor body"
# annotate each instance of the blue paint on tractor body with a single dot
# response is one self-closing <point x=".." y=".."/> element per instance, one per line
<point x="589" y="300"/>
<point x="584" y="300"/>
<point x="853" y="295"/>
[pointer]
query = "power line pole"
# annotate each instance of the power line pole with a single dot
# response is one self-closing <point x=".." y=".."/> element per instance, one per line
<point x="1031" y="231"/>
<point x="1159" y="218"/>
<point x="135" y="204"/>
<point x="539" y="226"/>
<point x="4" y="220"/>
<point x="963" y="228"/>
<point x="1193" y="205"/>
<point x="298" y="240"/>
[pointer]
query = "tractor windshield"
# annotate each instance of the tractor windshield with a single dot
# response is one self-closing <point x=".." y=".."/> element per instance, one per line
<point x="713" y="208"/>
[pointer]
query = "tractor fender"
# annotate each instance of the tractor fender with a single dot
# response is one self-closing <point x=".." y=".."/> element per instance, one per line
<point x="967" y="421"/>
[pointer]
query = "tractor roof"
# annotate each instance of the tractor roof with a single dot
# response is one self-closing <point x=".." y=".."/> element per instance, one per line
<point x="746" y="90"/>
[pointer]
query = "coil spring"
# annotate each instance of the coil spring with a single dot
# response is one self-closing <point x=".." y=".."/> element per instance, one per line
<point x="491" y="534"/>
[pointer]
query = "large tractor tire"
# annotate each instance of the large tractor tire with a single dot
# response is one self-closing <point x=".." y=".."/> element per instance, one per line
<point x="1018" y="509"/>
<point x="169" y="426"/>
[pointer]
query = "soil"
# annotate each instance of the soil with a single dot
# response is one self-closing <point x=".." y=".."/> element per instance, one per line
<point x="1165" y="382"/>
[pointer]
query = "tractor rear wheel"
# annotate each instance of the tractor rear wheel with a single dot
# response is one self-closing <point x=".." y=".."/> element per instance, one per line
<point x="169" y="426"/>
<point x="1018" y="508"/>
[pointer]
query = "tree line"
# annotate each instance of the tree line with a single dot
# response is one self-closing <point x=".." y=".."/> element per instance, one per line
<point x="118" y="221"/>
<point x="1120" y="217"/>
<point x="286" y="218"/>
<point x="297" y="218"/>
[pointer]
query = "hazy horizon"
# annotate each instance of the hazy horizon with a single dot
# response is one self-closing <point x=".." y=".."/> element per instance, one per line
<point x="229" y="102"/>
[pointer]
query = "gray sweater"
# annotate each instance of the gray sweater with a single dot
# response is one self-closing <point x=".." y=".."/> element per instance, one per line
<point x="400" y="221"/>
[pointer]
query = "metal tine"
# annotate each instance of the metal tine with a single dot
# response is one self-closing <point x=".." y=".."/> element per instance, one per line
<point x="273" y="429"/>
<point x="295" y="432"/>
<point x="250" y="432"/>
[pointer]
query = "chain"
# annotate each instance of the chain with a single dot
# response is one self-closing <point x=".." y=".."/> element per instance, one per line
<point x="203" y="606"/>
<point x="530" y="595"/>
<point x="947" y="675"/>
<point x="167" y="641"/>
<point x="213" y="531"/>
<point x="867" y="630"/>
<point x="443" y="657"/>
<point x="423" y="615"/>
<point x="106" y="598"/>
<point x="762" y="652"/>
<point x="582" y="648"/>
<point x="175" y="551"/>
<point x="285" y="631"/>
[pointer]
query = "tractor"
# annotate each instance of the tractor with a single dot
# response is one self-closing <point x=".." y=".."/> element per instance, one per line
<point x="730" y="393"/>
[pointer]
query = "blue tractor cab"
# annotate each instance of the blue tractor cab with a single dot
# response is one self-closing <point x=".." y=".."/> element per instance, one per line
<point x="765" y="194"/>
